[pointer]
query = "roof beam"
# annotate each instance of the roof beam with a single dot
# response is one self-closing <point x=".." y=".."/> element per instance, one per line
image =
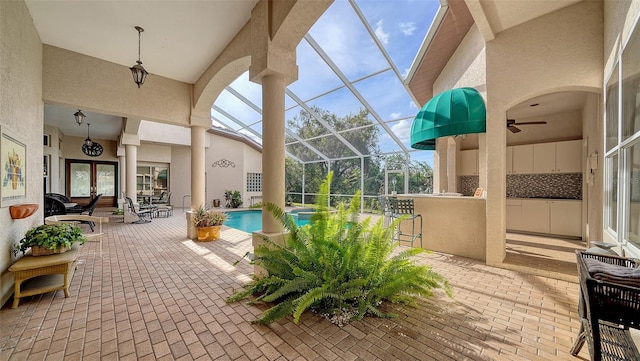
<point x="290" y="133"/>
<point x="353" y="90"/>
<point x="481" y="20"/>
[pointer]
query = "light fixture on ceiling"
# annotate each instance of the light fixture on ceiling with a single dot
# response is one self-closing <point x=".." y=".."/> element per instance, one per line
<point x="79" y="117"/>
<point x="90" y="147"/>
<point x="138" y="72"/>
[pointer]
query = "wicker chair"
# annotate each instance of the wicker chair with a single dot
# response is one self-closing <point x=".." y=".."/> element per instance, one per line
<point x="607" y="311"/>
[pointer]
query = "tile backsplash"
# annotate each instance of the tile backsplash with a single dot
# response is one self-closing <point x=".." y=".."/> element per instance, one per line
<point x="549" y="185"/>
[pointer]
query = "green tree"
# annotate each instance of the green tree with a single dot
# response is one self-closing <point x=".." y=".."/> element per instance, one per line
<point x="364" y="138"/>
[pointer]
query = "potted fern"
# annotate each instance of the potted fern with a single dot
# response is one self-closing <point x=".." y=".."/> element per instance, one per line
<point x="50" y="239"/>
<point x="209" y="223"/>
<point x="338" y="266"/>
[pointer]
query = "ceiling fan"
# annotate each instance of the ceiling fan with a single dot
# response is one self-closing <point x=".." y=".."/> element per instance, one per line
<point x="511" y="125"/>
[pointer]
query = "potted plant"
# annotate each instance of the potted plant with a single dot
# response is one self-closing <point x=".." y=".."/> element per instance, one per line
<point x="208" y="222"/>
<point x="233" y="198"/>
<point x="49" y="239"/>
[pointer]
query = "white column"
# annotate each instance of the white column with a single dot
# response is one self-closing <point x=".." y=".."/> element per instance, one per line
<point x="273" y="86"/>
<point x="197" y="166"/>
<point x="132" y="162"/>
<point x="122" y="167"/>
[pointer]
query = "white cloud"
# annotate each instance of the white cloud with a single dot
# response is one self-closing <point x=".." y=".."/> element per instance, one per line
<point x="382" y="36"/>
<point x="402" y="129"/>
<point x="395" y="115"/>
<point x="405" y="73"/>
<point x="413" y="105"/>
<point x="408" y="28"/>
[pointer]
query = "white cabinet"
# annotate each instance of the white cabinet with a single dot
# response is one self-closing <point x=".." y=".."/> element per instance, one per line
<point x="565" y="218"/>
<point x="559" y="157"/>
<point x="469" y="162"/>
<point x="559" y="217"/>
<point x="569" y="156"/>
<point x="522" y="159"/>
<point x="535" y="216"/>
<point x="514" y="214"/>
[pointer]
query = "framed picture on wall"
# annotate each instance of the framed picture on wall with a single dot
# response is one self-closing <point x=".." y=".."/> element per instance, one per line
<point x="13" y="174"/>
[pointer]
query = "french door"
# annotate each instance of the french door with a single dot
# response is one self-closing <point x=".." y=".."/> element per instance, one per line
<point x="86" y="179"/>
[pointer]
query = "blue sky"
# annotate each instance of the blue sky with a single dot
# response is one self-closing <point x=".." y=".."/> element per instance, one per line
<point x="399" y="25"/>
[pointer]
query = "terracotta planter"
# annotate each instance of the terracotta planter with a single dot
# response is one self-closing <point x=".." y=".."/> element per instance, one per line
<point x="206" y="234"/>
<point x="22" y="210"/>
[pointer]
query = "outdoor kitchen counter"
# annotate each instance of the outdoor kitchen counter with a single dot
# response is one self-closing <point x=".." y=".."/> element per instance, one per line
<point x="454" y="225"/>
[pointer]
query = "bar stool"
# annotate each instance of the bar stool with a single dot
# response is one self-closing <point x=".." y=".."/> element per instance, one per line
<point x="385" y="207"/>
<point x="403" y="208"/>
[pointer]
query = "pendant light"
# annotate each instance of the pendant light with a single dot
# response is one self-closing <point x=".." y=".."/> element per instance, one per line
<point x="138" y="71"/>
<point x="91" y="148"/>
<point x="79" y="117"/>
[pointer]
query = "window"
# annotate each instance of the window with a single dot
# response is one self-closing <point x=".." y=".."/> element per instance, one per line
<point x="611" y="110"/>
<point x="254" y="182"/>
<point x="622" y="143"/>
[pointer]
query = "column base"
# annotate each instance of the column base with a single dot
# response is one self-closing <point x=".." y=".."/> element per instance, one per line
<point x="258" y="239"/>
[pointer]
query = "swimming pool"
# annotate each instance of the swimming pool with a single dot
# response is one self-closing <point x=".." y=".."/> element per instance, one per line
<point x="251" y="220"/>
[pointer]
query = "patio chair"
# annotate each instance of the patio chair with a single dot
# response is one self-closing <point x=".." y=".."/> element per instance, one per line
<point x="86" y="209"/>
<point x="608" y="307"/>
<point x="53" y="206"/>
<point x="144" y="215"/>
<point x="61" y="197"/>
<point x="404" y="209"/>
<point x="164" y="208"/>
<point x="82" y="219"/>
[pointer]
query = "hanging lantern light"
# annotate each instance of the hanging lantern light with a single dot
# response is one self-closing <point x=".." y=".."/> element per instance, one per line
<point x="138" y="71"/>
<point x="91" y="148"/>
<point x="79" y="117"/>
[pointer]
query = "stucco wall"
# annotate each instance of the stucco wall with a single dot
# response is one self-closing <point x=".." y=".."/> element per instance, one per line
<point x="220" y="178"/>
<point x="154" y="153"/>
<point x="108" y="88"/>
<point x="559" y="51"/>
<point x="22" y="113"/>
<point x="73" y="149"/>
<point x="180" y="175"/>
<point x="466" y="67"/>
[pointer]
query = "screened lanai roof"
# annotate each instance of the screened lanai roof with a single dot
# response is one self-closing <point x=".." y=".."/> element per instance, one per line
<point x="353" y="59"/>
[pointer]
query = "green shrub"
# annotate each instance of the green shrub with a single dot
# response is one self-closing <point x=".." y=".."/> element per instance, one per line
<point x="50" y="236"/>
<point x="340" y="268"/>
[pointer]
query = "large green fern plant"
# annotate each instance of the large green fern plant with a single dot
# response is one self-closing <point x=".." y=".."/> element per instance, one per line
<point x="336" y="266"/>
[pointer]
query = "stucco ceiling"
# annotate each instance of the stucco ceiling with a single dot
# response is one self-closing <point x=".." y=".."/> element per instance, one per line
<point x="171" y="46"/>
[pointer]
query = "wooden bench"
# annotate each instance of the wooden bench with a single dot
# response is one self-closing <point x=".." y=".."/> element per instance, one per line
<point x="50" y="273"/>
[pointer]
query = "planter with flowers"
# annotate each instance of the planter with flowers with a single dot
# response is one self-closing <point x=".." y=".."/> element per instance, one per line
<point x="209" y="223"/>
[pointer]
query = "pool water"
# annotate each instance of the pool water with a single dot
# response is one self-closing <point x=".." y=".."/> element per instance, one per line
<point x="251" y="220"/>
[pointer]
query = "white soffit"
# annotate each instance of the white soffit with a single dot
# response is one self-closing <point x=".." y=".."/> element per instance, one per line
<point x="181" y="38"/>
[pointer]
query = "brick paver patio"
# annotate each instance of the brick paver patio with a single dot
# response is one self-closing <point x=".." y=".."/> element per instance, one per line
<point x="155" y="295"/>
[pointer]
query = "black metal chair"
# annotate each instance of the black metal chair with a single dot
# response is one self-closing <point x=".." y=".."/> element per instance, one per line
<point x="607" y="311"/>
<point x="61" y="197"/>
<point x="404" y="209"/>
<point x="82" y="208"/>
<point x="144" y="215"/>
<point x="53" y="206"/>
<point x="86" y="209"/>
